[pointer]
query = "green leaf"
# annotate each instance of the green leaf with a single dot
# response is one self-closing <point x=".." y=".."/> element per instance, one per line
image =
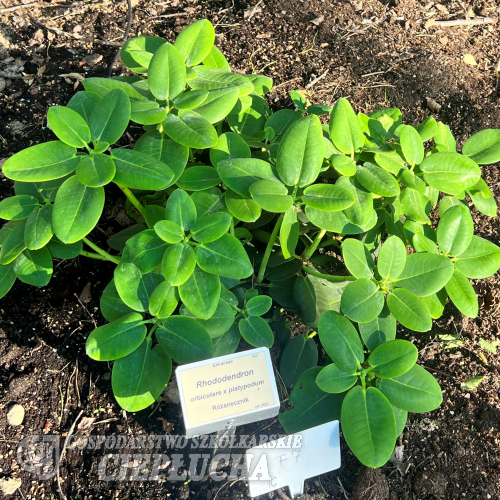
<point x="77" y="210"/>
<point x="328" y="197"/>
<point x="409" y="310"/>
<point x="139" y="378"/>
<point x="484" y="147"/>
<point x="69" y="126"/>
<point x="271" y="196"/>
<point x="409" y="179"/>
<point x="34" y="267"/>
<point x="164" y="149"/>
<point x="299" y="100"/>
<point x="472" y="384"/>
<point x="110" y="118"/>
<point x="450" y="172"/>
<point x="135" y="287"/>
<point x="117" y="339"/>
<point x="84" y="103"/>
<point x="489" y="346"/>
<point x="239" y="174"/>
<point x="164" y="300"/>
<point x="178" y="263"/>
<point x="362" y="301"/>
<point x="199" y="178"/>
<point x="369" y="425"/>
<point x="119" y="240"/>
<point x="137" y="52"/>
<point x="357" y="258"/>
<point x="425" y="273"/>
<point x="242" y="208"/>
<point x="18" y="207"/>
<point x="483" y="198"/>
<point x="394" y="358"/>
<point x="343" y="165"/>
<point x="220" y="321"/>
<point x="60" y="250"/>
<point x="167" y="72"/>
<point x="391" y="259"/>
<point x="190" y="99"/>
<point x="218" y="104"/>
<point x="104" y="86"/>
<point x="345" y="129"/>
<point x="96" y="170"/>
<point x="416" y="391"/>
<point x="361" y="210"/>
<point x="289" y="232"/>
<point x="377" y="180"/>
<point x="423" y="244"/>
<point x="227" y="343"/>
<point x="462" y="294"/>
<point x="38" y="231"/>
<point x="13" y="244"/>
<point x="412" y="145"/>
<point x="427" y="129"/>
<point x="319" y="109"/>
<point x="185" y="339"/>
<point x="112" y="306"/>
<point x="337" y="222"/>
<point x="228" y="147"/>
<point x="455" y="230"/>
<point x="334" y="380"/>
<point x="225" y="256"/>
<point x="341" y="341"/>
<point x="252" y="120"/>
<point x="7" y="279"/>
<point x="211" y="227"/>
<point x="181" y="209"/>
<point x="444" y="139"/>
<point x="282" y="120"/>
<point x="169" y="231"/>
<point x="414" y="204"/>
<point x="211" y="79"/>
<point x="301" y="152"/>
<point x="480" y="260"/>
<point x="190" y="129"/>
<point x="147" y="112"/>
<point x="195" y="42"/>
<point x="299" y="355"/>
<point x="261" y="84"/>
<point x="201" y="293"/>
<point x="311" y="405"/>
<point x="215" y="59"/>
<point x="42" y="162"/>
<point x="379" y="330"/>
<point x="435" y="303"/>
<point x="391" y="162"/>
<point x="256" y="331"/>
<point x="257" y="306"/>
<point x="208" y="201"/>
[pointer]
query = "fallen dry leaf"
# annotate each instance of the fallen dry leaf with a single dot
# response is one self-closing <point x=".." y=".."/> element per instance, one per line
<point x="10" y="486"/>
<point x="469" y="59"/>
<point x="86" y="295"/>
<point x="318" y="20"/>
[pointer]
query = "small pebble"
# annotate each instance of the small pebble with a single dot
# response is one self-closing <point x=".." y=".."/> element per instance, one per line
<point x="15" y="415"/>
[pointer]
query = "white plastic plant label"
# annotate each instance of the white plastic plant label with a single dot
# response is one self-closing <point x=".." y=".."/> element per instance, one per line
<point x="290" y="460"/>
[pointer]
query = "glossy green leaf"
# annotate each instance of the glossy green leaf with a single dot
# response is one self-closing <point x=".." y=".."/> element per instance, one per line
<point x="218" y="104"/>
<point x="484" y="147"/>
<point x="229" y="146"/>
<point x="112" y="306"/>
<point x="69" y="126"/>
<point x="190" y="129"/>
<point x="211" y="79"/>
<point x="455" y="230"/>
<point x="409" y="179"/>
<point x="299" y="355"/>
<point x="341" y="341"/>
<point x="117" y="339"/>
<point x="271" y="196"/>
<point x="199" y="178"/>
<point x="377" y="180"/>
<point x="34" y="267"/>
<point x="416" y="391"/>
<point x="334" y="380"/>
<point x="18" y="207"/>
<point x="110" y="118"/>
<point x="84" y="103"/>
<point x="209" y="201"/>
<point x="178" y="263"/>
<point x="301" y="151"/>
<point x="362" y="301"/>
<point x="282" y="120"/>
<point x="215" y="59"/>
<point x="444" y="139"/>
<point x="391" y="259"/>
<point x="242" y="208"/>
<point x="328" y="197"/>
<point x="345" y="130"/>
<point x="104" y="86"/>
<point x="257" y="306"/>
<point x="435" y="303"/>
<point x="190" y="99"/>
<point x="462" y="294"/>
<point x="181" y="209"/>
<point x="227" y="343"/>
<point x="450" y="172"/>
<point x="394" y="358"/>
<point x="483" y="198"/>
<point x="361" y="210"/>
<point x="167" y="72"/>
<point x="413" y="205"/>
<point x="7" y="279"/>
<point x="119" y="240"/>
<point x="369" y="425"/>
<point x="195" y="42"/>
<point x="412" y="145"/>
<point x="77" y="210"/>
<point x="261" y="84"/>
<point x="427" y="129"/>
<point x="137" y="52"/>
<point x="480" y="260"/>
<point x="201" y="293"/>
<point x="38" y="231"/>
<point x="337" y="222"/>
<point x="220" y="321"/>
<point x="147" y="112"/>
<point x="139" y="378"/>
<point x="163" y="301"/>
<point x="289" y="232"/>
<point x="256" y="331"/>
<point x="96" y="170"/>
<point x="211" y="227"/>
<point x="252" y="120"/>
<point x="60" y="250"/>
<point x="343" y="165"/>
<point x="169" y="231"/>
<point x="357" y="258"/>
<point x="225" y="256"/>
<point x="409" y="310"/>
<point x="42" y="162"/>
<point x="379" y="330"/>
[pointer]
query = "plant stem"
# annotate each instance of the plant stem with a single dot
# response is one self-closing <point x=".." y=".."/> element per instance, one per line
<point x="133" y="199"/>
<point x="191" y="155"/>
<point x="269" y="247"/>
<point x="150" y="334"/>
<point x="311" y="335"/>
<point x="332" y="241"/>
<point x="92" y="255"/>
<point x="315" y="244"/>
<point x="100" y="251"/>
<point x="328" y="277"/>
<point x="231" y="229"/>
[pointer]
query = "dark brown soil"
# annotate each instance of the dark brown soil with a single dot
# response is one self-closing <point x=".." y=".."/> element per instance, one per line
<point x="378" y="54"/>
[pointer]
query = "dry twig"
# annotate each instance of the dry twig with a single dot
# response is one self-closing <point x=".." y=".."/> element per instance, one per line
<point x="464" y="22"/>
